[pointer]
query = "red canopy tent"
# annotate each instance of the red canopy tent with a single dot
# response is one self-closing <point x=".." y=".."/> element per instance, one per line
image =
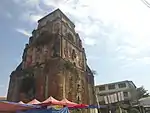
<point x="11" y="106"/>
<point x="72" y="104"/>
<point x="52" y="101"/>
<point x="79" y="106"/>
<point x="34" y="101"/>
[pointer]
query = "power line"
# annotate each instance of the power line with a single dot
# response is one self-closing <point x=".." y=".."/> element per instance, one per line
<point x="146" y="3"/>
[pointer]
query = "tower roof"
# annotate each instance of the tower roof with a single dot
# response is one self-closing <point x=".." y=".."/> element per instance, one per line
<point x="128" y="81"/>
<point x="59" y="11"/>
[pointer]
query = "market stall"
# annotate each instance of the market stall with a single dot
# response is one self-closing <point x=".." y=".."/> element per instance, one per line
<point x="6" y="106"/>
<point x="49" y="105"/>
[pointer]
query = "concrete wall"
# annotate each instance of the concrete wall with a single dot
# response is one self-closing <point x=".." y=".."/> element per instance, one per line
<point x="130" y="89"/>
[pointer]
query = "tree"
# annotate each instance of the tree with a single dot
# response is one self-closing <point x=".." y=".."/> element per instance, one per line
<point x="94" y="72"/>
<point x="142" y="92"/>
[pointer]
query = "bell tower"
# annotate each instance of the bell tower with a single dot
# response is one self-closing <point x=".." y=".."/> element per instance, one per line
<point x="53" y="64"/>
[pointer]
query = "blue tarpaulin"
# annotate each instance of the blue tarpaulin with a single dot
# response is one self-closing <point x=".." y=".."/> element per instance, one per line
<point x="51" y="110"/>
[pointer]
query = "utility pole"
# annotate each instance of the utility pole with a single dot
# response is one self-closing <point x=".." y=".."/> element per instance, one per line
<point x="97" y="103"/>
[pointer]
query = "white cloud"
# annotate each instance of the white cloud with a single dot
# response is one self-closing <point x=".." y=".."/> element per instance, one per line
<point x="89" y="41"/>
<point x="24" y="32"/>
<point x="144" y="60"/>
<point x="118" y="29"/>
<point x="95" y="19"/>
<point x="93" y="57"/>
<point x="35" y="18"/>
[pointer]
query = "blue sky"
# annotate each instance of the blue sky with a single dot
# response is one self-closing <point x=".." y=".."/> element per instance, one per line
<point x="115" y="35"/>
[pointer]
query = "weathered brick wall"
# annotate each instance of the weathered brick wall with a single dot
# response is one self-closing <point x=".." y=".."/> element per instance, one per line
<point x="57" y="61"/>
<point x="58" y="73"/>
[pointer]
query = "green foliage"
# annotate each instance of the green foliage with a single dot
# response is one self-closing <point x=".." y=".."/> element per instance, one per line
<point x="141" y="92"/>
<point x="134" y="110"/>
<point x="43" y="39"/>
<point x="69" y="66"/>
<point x="94" y="72"/>
<point x="28" y="71"/>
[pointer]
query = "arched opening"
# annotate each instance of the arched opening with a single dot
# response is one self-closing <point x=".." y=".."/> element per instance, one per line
<point x="73" y="54"/>
<point x="27" y="86"/>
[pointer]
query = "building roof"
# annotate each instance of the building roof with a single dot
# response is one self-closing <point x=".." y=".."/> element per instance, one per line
<point x="116" y="83"/>
<point x="57" y="10"/>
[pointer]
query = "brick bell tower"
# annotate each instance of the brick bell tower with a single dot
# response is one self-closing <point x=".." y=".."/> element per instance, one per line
<point x="53" y="64"/>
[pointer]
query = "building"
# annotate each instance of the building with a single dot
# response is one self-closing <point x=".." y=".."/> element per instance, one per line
<point x="3" y="98"/>
<point x="145" y="103"/>
<point x="53" y="64"/>
<point x="127" y="88"/>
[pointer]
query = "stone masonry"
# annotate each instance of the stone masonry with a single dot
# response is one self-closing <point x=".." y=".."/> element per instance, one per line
<point x="53" y="64"/>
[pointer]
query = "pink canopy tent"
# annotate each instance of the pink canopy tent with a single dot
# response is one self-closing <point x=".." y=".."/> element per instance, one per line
<point x="11" y="106"/>
<point x="52" y="101"/>
<point x="21" y="102"/>
<point x="68" y="103"/>
<point x="34" y="101"/>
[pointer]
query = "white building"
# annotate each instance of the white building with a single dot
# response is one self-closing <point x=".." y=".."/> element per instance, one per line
<point x="127" y="89"/>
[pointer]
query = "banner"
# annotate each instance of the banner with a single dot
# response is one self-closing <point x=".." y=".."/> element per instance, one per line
<point x="51" y="110"/>
<point x="57" y="107"/>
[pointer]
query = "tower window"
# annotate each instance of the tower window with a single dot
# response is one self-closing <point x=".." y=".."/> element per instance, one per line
<point x="78" y="98"/>
<point x="74" y="63"/>
<point x="28" y="85"/>
<point x="78" y="85"/>
<point x="73" y="54"/>
<point x="70" y="37"/>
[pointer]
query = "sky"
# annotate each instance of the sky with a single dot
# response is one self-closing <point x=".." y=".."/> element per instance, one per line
<point x="115" y="34"/>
